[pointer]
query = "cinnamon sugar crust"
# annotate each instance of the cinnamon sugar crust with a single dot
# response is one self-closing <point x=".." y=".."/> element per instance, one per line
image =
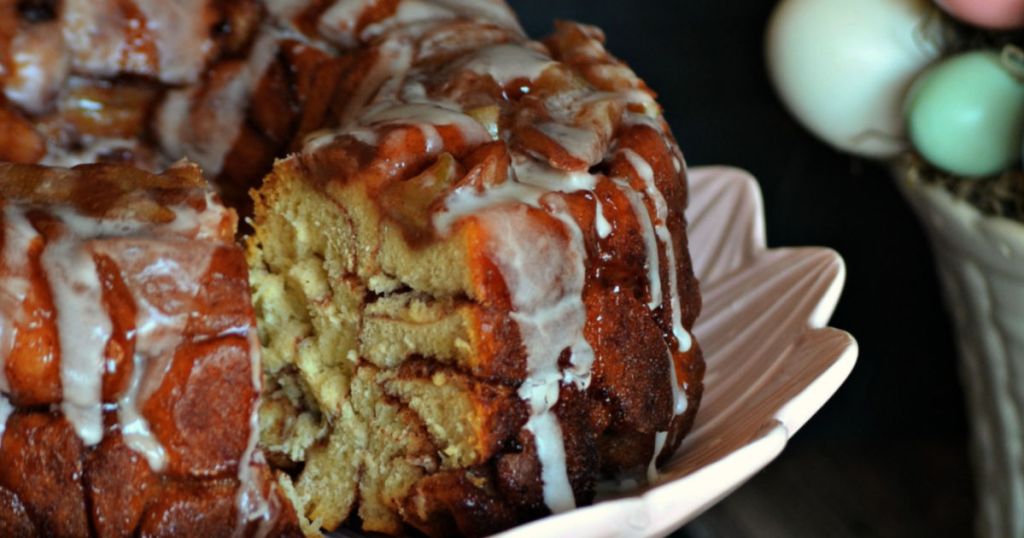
<point x="124" y="317"/>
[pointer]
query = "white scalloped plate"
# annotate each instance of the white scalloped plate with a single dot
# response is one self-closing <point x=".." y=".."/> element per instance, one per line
<point x="771" y="363"/>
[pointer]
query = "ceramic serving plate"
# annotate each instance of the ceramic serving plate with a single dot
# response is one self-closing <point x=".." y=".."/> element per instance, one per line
<point x="771" y="363"/>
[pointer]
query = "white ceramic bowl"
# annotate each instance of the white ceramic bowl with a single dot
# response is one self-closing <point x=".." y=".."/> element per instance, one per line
<point x="980" y="261"/>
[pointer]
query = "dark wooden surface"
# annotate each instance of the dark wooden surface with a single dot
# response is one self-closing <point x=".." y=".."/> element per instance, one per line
<point x="887" y="456"/>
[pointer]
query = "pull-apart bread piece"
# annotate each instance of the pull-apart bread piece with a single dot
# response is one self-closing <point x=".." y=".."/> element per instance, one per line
<point x="129" y="378"/>
<point x="475" y="295"/>
<point x="147" y="82"/>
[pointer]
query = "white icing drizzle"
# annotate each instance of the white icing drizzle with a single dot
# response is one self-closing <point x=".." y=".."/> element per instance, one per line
<point x="80" y="20"/>
<point x="545" y="279"/>
<point x="134" y="428"/>
<point x="84" y="328"/>
<point x="417" y="11"/>
<point x="179" y="32"/>
<point x="581" y="353"/>
<point x="252" y="505"/>
<point x="424" y="116"/>
<point x="543" y="176"/>
<point x="208" y="138"/>
<point x="433" y="143"/>
<point x="71" y="273"/>
<point x="96" y="148"/>
<point x="584" y="144"/>
<point x="544" y="275"/>
<point x="5" y="412"/>
<point x="427" y="115"/>
<point x="533" y="180"/>
<point x="394" y="59"/>
<point x="202" y="225"/>
<point x="507" y="62"/>
<point x="171" y="120"/>
<point x="161" y="268"/>
<point x="491" y="11"/>
<point x="547" y="435"/>
<point x="601" y="224"/>
<point x="39" y="67"/>
<point x="158" y="328"/>
<point x="652" y="467"/>
<point x="82" y="227"/>
<point x="393" y="64"/>
<point x="338" y="22"/>
<point x="646" y="173"/>
<point x="643" y="169"/>
<point x="632" y="119"/>
<point x="650" y="243"/>
<point x="467" y="201"/>
<point x="18" y="235"/>
<point x="678" y="395"/>
<point x="651" y="109"/>
<point x="101" y="41"/>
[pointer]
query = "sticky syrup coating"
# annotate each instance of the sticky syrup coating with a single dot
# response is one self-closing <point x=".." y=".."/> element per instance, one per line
<point x="53" y="483"/>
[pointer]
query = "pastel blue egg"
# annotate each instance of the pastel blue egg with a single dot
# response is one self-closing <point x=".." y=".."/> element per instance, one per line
<point x="966" y="115"/>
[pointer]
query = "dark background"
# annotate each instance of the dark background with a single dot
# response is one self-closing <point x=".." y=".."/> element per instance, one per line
<point x="888" y="455"/>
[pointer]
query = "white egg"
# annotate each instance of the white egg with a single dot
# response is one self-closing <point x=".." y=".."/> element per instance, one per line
<point x="843" y="67"/>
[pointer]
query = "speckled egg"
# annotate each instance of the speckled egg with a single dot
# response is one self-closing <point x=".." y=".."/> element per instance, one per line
<point x="966" y="115"/>
<point x="843" y="67"/>
<point x="993" y="14"/>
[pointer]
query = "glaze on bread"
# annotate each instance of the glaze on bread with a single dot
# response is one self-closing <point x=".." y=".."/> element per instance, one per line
<point x="124" y="320"/>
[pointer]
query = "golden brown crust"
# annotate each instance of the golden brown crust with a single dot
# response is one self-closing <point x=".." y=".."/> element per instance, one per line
<point x="19" y="140"/>
<point x="14" y="519"/>
<point x="177" y="358"/>
<point x="43" y="468"/>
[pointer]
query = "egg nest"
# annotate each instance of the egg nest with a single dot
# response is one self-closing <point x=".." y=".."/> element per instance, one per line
<point x="999" y="196"/>
<point x="959" y="37"/>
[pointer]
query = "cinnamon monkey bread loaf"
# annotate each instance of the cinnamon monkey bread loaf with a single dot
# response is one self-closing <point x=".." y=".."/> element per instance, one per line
<point x="475" y="293"/>
<point x="466" y="259"/>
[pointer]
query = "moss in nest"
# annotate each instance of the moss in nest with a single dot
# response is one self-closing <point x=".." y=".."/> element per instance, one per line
<point x="1001" y="195"/>
<point x="959" y="37"/>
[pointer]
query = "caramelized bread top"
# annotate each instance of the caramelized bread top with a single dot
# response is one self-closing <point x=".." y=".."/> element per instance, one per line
<point x="538" y="180"/>
<point x="102" y="268"/>
<point x="113" y="191"/>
